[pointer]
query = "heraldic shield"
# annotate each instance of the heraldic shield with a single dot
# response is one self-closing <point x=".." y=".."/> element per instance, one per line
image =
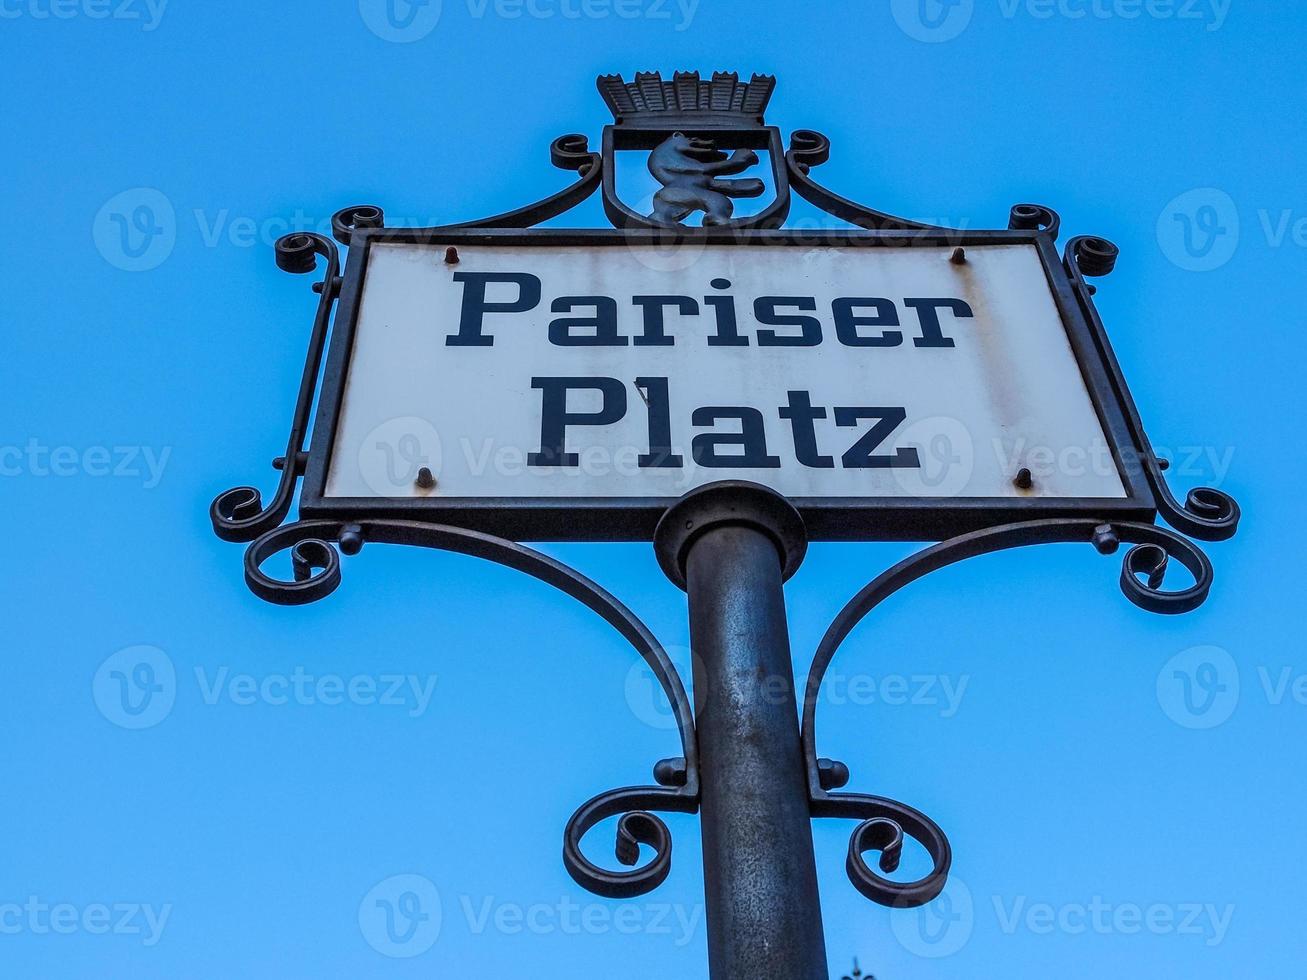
<point x="703" y="139"/>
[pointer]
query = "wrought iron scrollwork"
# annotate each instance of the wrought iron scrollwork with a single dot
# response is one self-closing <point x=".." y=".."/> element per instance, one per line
<point x="570" y="152"/>
<point x="347" y="220"/>
<point x="1035" y="217"/>
<point x="239" y="514"/>
<point x="316" y="563"/>
<point x="1207" y="514"/>
<point x="809" y="149"/>
<point x="885" y="822"/>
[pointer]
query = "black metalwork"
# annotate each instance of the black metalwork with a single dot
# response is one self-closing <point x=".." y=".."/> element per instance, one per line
<point x="1207" y="514"/>
<point x="753" y="773"/>
<point x="730" y="546"/>
<point x="686" y="124"/>
<point x="239" y="514"/>
<point x="315" y="564"/>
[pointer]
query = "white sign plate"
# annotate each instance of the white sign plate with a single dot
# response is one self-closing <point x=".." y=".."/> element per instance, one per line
<point x="846" y="372"/>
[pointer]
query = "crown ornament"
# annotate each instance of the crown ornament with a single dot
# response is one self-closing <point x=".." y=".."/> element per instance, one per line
<point x="687" y="100"/>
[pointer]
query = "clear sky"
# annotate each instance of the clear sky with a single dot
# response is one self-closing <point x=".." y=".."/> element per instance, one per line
<point x="1106" y="820"/>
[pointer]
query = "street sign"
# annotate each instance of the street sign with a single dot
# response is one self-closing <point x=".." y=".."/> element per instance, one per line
<point x="572" y="385"/>
<point x="728" y="390"/>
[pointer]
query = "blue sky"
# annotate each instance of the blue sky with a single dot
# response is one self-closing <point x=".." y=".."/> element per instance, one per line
<point x="1103" y="824"/>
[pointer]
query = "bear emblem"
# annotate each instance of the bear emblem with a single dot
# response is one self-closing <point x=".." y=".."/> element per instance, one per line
<point x="689" y="168"/>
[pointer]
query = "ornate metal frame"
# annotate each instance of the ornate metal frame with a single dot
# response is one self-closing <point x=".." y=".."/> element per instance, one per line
<point x="315" y="544"/>
<point x="621" y="518"/>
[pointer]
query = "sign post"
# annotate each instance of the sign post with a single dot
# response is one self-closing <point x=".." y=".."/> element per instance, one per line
<point x="730" y="546"/>
<point x="727" y="391"/>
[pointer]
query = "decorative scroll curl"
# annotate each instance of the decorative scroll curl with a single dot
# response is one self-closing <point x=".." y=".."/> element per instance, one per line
<point x="637" y="826"/>
<point x="1035" y="217"/>
<point x="315" y="564"/>
<point x="809" y="149"/>
<point x="347" y="220"/>
<point x="1207" y="514"/>
<point x="239" y="514"/>
<point x="885" y="822"/>
<point x="570" y="152"/>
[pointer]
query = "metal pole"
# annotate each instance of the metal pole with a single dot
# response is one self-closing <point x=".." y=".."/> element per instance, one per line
<point x="731" y="546"/>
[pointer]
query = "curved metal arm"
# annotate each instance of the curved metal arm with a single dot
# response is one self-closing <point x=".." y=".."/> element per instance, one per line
<point x="809" y="149"/>
<point x="238" y="514"/>
<point x="1206" y="514"/>
<point x="315" y="564"/>
<point x="885" y="821"/>
<point x="570" y="152"/>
